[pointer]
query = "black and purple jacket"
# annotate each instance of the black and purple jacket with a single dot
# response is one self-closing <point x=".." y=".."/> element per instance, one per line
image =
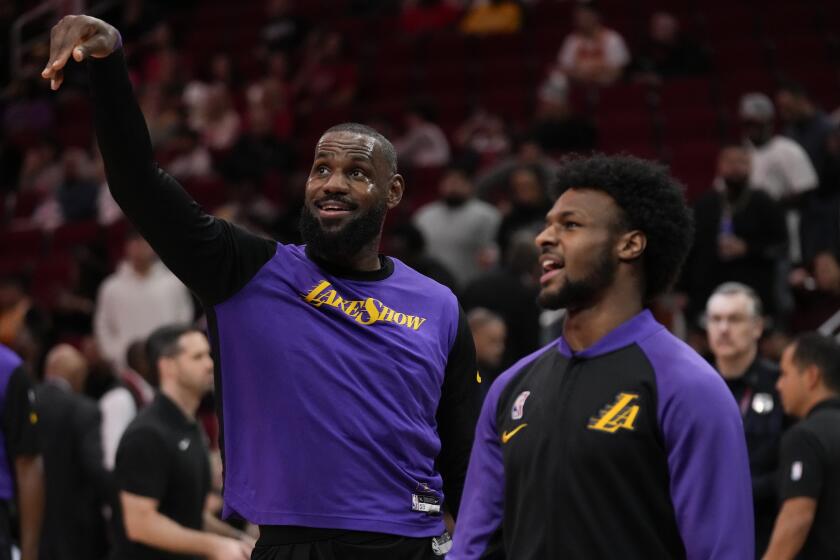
<point x="632" y="448"/>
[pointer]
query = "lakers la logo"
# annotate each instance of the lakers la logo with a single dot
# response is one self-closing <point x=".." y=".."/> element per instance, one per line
<point x="621" y="414"/>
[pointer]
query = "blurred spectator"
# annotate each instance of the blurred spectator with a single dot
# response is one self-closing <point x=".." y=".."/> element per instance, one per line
<point x="133" y="391"/>
<point x="668" y="52"/>
<point x="529" y="203"/>
<point x="406" y="243"/>
<point x="189" y="158"/>
<point x="484" y="135"/>
<point x="21" y="464"/>
<point x="139" y="297"/>
<point x="77" y="484"/>
<point x="460" y="230"/>
<point x="258" y="151"/>
<point x="328" y="77"/>
<point x="216" y="120"/>
<point x="780" y="166"/>
<point x="489" y="333"/>
<point x="734" y="324"/>
<point x="273" y="96"/>
<point x="163" y="471"/>
<point x="808" y="525"/>
<point x="424" y="16"/>
<point x="18" y="313"/>
<point x="248" y="207"/>
<point x="817" y="295"/>
<point x="283" y="30"/>
<point x="511" y="291"/>
<point x="806" y="124"/>
<point x="496" y="181"/>
<point x="740" y="234"/>
<point x="41" y="170"/>
<point x="556" y="127"/>
<point x="75" y="198"/>
<point x="492" y="17"/>
<point x="162" y="107"/>
<point x="592" y="54"/>
<point x="423" y="144"/>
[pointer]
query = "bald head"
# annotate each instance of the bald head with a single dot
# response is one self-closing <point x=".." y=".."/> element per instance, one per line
<point x="65" y="362"/>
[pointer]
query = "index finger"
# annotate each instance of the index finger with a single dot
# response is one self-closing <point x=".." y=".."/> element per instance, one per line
<point x="60" y="48"/>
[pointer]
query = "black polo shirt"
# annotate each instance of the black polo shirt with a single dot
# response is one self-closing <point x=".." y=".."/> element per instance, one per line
<point x="810" y="467"/>
<point x="162" y="455"/>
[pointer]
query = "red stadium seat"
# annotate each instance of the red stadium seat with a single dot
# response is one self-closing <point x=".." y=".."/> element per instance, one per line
<point x="76" y="234"/>
<point x="25" y="242"/>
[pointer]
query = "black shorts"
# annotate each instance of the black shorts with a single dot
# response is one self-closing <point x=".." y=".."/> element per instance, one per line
<point x="339" y="545"/>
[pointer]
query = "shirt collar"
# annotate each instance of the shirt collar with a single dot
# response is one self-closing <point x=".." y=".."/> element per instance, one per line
<point x="633" y="330"/>
<point x="172" y="412"/>
<point x="832" y="402"/>
<point x="385" y="270"/>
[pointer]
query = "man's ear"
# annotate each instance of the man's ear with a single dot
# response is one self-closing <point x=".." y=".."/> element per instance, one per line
<point x="396" y="188"/>
<point x="631" y="245"/>
<point x="813" y="377"/>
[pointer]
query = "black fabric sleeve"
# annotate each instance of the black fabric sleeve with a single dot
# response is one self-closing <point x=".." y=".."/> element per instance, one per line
<point x="20" y="416"/>
<point x="212" y="257"/>
<point x="801" y="472"/>
<point x="142" y="464"/>
<point x="457" y="414"/>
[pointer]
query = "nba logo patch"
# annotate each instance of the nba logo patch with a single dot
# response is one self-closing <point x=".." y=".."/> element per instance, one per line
<point x="796" y="471"/>
<point x="519" y="405"/>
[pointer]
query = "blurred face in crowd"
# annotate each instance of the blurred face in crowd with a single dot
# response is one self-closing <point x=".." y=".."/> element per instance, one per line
<point x="577" y="246"/>
<point x="455" y="188"/>
<point x="586" y="20"/>
<point x="827" y="272"/>
<point x="139" y="254"/>
<point x="793" y="384"/>
<point x="664" y="28"/>
<point x="350" y="188"/>
<point x="191" y="368"/>
<point x="489" y="338"/>
<point x="734" y="167"/>
<point x="526" y="189"/>
<point x="733" y="328"/>
<point x="757" y="131"/>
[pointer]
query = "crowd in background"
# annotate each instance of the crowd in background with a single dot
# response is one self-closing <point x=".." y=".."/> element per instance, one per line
<point x="234" y="134"/>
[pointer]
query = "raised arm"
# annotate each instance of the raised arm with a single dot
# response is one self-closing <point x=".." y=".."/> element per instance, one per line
<point x="212" y="257"/>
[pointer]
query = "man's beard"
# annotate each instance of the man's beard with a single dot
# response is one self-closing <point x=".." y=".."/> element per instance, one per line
<point x="579" y="294"/>
<point x="346" y="241"/>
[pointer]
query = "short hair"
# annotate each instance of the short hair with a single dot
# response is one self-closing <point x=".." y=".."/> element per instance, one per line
<point x="650" y="201"/>
<point x="481" y="317"/>
<point x="388" y="150"/>
<point x="164" y="343"/>
<point x="735" y="288"/>
<point x="814" y="349"/>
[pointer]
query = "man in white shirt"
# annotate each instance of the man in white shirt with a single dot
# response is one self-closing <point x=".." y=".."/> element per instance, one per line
<point x="460" y="230"/>
<point x="780" y="166"/>
<point x="593" y="54"/>
<point x="424" y="144"/>
<point x="139" y="297"/>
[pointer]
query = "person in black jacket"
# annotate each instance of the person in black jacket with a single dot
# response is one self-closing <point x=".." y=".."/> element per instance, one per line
<point x="734" y="325"/>
<point x="740" y="234"/>
<point x="77" y="483"/>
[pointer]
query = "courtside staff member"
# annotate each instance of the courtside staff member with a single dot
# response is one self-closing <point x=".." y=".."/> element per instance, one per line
<point x="347" y="380"/>
<point x="808" y="525"/>
<point x="617" y="440"/>
<point x="21" y="467"/>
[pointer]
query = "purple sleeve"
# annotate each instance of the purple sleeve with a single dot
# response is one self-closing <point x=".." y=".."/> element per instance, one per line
<point x="482" y="503"/>
<point x="707" y="454"/>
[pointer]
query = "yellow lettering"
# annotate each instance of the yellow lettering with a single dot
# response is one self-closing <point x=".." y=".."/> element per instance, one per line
<point x="372" y="312"/>
<point x="310" y="297"/>
<point x="386" y="314"/>
<point x="399" y="318"/>
<point x="339" y="302"/>
<point x="619" y="415"/>
<point x="351" y="306"/>
<point x="416" y="322"/>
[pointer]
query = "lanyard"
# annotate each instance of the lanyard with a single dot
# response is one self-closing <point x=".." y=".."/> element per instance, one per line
<point x="744" y="404"/>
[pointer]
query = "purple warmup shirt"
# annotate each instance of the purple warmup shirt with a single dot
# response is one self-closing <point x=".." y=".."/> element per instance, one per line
<point x="9" y="362"/>
<point x="329" y="390"/>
